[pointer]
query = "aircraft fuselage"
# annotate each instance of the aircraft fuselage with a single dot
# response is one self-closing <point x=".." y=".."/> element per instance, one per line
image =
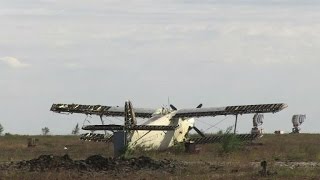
<point x="161" y="139"/>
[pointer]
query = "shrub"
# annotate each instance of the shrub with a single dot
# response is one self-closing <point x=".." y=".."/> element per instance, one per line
<point x="230" y="142"/>
<point x="1" y="129"/>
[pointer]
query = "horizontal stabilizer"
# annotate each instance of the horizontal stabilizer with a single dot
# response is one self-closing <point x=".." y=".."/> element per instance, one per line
<point x="220" y="138"/>
<point x="96" y="137"/>
<point x="136" y="127"/>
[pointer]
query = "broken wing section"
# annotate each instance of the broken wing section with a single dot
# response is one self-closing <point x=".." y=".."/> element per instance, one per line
<point x="135" y="127"/>
<point x="100" y="110"/>
<point x="220" y="138"/>
<point x="96" y="137"/>
<point x="230" y="110"/>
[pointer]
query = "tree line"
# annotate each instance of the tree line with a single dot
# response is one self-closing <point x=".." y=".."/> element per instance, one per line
<point x="45" y="131"/>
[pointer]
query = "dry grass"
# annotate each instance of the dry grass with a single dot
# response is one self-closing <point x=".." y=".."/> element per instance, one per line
<point x="210" y="163"/>
<point x="14" y="148"/>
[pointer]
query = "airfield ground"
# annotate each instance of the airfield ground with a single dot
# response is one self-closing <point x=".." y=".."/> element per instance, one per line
<point x="291" y="156"/>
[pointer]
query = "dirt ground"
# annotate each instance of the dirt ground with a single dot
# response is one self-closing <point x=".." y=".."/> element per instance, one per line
<point x="65" y="157"/>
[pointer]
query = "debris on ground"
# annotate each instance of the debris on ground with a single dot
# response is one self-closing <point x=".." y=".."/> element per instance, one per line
<point x="95" y="163"/>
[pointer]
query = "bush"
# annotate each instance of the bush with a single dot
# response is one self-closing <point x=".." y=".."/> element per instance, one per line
<point x="230" y="142"/>
<point x="7" y="134"/>
<point x="127" y="152"/>
<point x="1" y="129"/>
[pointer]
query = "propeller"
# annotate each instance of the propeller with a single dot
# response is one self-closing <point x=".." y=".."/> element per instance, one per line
<point x="173" y="107"/>
<point x="199" y="106"/>
<point x="195" y="128"/>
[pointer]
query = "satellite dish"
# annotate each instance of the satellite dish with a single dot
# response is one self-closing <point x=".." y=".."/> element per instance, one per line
<point x="257" y="121"/>
<point x="297" y="120"/>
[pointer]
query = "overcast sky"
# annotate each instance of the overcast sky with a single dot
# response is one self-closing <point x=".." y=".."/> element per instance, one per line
<point x="218" y="53"/>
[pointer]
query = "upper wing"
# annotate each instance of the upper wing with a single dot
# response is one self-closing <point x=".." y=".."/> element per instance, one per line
<point x="230" y="110"/>
<point x="100" y="110"/>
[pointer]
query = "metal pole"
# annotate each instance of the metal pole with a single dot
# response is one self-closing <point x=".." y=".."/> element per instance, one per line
<point x="235" y="124"/>
<point x="102" y="122"/>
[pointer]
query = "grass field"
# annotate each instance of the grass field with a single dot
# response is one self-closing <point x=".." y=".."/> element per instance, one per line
<point x="291" y="156"/>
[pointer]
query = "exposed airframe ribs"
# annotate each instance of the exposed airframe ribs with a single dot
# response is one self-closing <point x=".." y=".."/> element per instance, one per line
<point x="100" y="110"/>
<point x="96" y="137"/>
<point x="136" y="127"/>
<point x="219" y="138"/>
<point x="181" y="113"/>
<point x="230" y="110"/>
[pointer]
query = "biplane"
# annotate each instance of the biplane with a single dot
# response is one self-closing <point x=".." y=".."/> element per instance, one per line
<point x="164" y="127"/>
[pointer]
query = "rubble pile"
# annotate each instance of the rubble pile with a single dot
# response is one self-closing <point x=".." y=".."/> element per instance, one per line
<point x="95" y="163"/>
<point x="45" y="162"/>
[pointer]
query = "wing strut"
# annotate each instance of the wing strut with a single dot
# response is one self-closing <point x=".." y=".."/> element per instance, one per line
<point x="102" y="122"/>
<point x="198" y="131"/>
<point x="235" y="125"/>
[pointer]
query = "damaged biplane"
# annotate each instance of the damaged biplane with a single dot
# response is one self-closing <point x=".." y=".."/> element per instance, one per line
<point x="165" y="126"/>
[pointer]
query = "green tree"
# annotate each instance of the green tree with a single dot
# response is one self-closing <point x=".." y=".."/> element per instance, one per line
<point x="45" y="131"/>
<point x="76" y="130"/>
<point x="1" y="129"/>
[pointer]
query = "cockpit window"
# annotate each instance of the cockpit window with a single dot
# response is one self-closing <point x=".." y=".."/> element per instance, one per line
<point x="161" y="111"/>
<point x="157" y="112"/>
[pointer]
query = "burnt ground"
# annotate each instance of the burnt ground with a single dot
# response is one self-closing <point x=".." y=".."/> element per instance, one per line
<point x="95" y="163"/>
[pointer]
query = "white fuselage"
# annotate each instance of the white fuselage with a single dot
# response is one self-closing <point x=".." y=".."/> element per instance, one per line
<point x="161" y="140"/>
